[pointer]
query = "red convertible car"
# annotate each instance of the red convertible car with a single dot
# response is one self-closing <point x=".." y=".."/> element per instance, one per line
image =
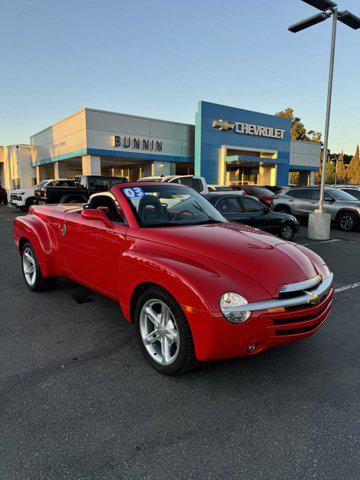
<point x="196" y="286"/>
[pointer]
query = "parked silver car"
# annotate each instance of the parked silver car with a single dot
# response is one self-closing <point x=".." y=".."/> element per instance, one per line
<point x="300" y="201"/>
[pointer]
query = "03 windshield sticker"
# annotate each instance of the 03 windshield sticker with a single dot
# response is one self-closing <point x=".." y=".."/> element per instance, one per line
<point x="134" y="192"/>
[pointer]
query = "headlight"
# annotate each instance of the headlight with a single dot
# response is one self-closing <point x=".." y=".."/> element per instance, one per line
<point x="229" y="306"/>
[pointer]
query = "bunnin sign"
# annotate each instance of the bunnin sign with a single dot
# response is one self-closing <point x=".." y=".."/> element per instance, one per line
<point x="249" y="129"/>
<point x="137" y="143"/>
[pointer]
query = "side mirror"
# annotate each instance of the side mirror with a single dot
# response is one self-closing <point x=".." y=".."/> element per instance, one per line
<point x="93" y="214"/>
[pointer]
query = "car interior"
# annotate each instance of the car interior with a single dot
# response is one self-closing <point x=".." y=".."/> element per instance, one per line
<point x="106" y="204"/>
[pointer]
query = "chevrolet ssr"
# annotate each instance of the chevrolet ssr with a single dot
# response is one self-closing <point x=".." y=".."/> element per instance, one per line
<point x="196" y="286"/>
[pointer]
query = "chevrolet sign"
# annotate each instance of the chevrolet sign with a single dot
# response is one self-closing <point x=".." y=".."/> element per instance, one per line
<point x="249" y="129"/>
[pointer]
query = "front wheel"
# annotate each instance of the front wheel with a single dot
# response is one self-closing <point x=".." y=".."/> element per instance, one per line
<point x="31" y="271"/>
<point x="287" y="231"/>
<point x="163" y="332"/>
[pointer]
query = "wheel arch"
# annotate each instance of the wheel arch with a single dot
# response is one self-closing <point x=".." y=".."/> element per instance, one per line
<point x="34" y="230"/>
<point x="22" y="242"/>
<point x="136" y="294"/>
<point x="348" y="210"/>
<point x="284" y="206"/>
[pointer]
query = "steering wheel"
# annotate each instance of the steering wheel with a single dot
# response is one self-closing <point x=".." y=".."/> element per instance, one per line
<point x="182" y="212"/>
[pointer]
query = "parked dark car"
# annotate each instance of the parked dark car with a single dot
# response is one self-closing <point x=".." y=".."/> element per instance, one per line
<point x="236" y="207"/>
<point x="263" y="194"/>
<point x="76" y="190"/>
<point x="3" y="196"/>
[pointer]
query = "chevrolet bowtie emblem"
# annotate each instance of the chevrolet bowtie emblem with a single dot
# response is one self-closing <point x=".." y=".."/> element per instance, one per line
<point x="314" y="299"/>
<point x="223" y="125"/>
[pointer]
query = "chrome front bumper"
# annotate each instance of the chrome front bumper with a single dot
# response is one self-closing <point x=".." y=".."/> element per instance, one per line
<point x="306" y="298"/>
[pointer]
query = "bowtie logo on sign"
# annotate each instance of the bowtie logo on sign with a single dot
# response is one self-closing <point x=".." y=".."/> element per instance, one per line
<point x="249" y="129"/>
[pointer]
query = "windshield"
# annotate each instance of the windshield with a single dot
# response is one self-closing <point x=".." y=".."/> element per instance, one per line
<point x="170" y="205"/>
<point x="40" y="184"/>
<point x="341" y="195"/>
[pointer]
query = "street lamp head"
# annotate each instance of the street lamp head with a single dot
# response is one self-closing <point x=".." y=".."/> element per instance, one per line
<point x="309" y="22"/>
<point x="349" y="19"/>
<point x="321" y="4"/>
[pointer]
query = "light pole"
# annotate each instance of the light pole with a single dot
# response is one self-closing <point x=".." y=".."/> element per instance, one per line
<point x="319" y="226"/>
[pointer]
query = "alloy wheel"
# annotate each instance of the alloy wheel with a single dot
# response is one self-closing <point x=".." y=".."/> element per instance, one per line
<point x="287" y="232"/>
<point x="29" y="266"/>
<point x="159" y="331"/>
<point x="347" y="223"/>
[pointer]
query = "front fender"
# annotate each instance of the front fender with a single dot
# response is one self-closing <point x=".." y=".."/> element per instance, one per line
<point x="195" y="282"/>
<point x="36" y="231"/>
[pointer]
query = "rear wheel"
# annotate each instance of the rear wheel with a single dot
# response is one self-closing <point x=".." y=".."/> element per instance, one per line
<point x="287" y="231"/>
<point x="31" y="271"/>
<point x="348" y="221"/>
<point x="163" y="332"/>
<point x="28" y="203"/>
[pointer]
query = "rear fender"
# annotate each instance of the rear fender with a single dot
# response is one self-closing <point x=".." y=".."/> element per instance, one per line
<point x="35" y="230"/>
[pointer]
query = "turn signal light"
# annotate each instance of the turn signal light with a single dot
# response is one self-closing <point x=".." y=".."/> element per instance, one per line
<point x="276" y="310"/>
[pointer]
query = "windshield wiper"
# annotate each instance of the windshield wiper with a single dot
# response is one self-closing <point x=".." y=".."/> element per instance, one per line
<point x="208" y="221"/>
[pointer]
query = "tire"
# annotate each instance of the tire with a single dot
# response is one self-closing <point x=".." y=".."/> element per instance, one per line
<point x="168" y="356"/>
<point x="348" y="221"/>
<point x="287" y="231"/>
<point x="28" y="203"/>
<point x="282" y="209"/>
<point x="34" y="281"/>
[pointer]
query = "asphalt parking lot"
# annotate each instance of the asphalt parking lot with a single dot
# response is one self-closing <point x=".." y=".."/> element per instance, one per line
<point x="78" y="400"/>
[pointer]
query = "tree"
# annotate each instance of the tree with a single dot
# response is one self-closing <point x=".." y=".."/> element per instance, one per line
<point x="329" y="172"/>
<point x="298" y="130"/>
<point x="354" y="168"/>
<point x="341" y="169"/>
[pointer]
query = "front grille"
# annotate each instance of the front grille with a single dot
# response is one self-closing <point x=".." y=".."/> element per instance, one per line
<point x="285" y="321"/>
<point x="295" y="324"/>
<point x="15" y="197"/>
<point x="296" y="331"/>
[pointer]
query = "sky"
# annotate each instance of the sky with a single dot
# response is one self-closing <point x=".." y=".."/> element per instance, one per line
<point x="158" y="58"/>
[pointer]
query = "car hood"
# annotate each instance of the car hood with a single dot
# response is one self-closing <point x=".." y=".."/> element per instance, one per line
<point x="26" y="190"/>
<point x="270" y="261"/>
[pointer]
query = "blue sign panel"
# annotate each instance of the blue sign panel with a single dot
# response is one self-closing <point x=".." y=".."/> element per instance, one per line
<point x="224" y="132"/>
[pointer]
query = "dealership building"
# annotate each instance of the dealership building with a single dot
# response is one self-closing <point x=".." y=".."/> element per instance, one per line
<point x="226" y="145"/>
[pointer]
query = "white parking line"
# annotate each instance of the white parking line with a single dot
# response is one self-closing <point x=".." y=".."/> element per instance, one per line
<point x="332" y="240"/>
<point x="347" y="287"/>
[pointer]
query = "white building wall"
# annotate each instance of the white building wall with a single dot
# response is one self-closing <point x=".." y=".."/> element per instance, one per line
<point x="17" y="170"/>
<point x="62" y="138"/>
<point x="177" y="138"/>
<point x="305" y="154"/>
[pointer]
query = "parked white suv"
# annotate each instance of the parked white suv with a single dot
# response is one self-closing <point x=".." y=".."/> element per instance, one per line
<point x="23" y="198"/>
<point x="197" y="183"/>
